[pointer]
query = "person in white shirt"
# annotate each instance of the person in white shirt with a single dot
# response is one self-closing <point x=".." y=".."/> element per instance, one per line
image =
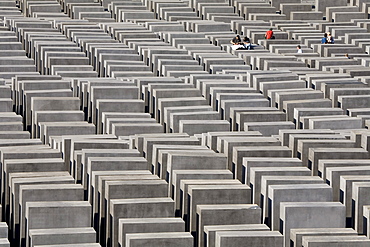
<point x="330" y="38"/>
<point x="299" y="49"/>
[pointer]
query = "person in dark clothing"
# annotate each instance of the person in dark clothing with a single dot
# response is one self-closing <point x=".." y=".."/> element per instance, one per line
<point x="247" y="43"/>
<point x="236" y="40"/>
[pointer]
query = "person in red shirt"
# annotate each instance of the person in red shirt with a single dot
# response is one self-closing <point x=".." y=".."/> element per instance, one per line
<point x="269" y="34"/>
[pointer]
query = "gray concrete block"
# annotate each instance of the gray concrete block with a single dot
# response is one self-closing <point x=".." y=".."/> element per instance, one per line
<point x="210" y="231"/>
<point x="333" y="176"/>
<point x="158" y="91"/>
<point x="73" y="245"/>
<point x="301" y="144"/>
<point x="201" y="175"/>
<point x="348" y="16"/>
<point x="250" y="162"/>
<point x="254" y="238"/>
<point x="215" y="140"/>
<point x="29" y="178"/>
<point x="281" y="96"/>
<point x="321" y="215"/>
<point x="185" y="186"/>
<point x="145" y="225"/>
<point x="180" y="161"/>
<point x="37" y="214"/>
<point x="256" y="174"/>
<point x="351" y="101"/>
<point x="335" y="240"/>
<point x="142" y="208"/>
<point x="126" y="129"/>
<point x="360" y="198"/>
<point x="229" y="143"/>
<point x="175" y="118"/>
<point x="168" y="111"/>
<point x="61" y="236"/>
<point x="270" y="88"/>
<point x="335" y="122"/>
<point x="151" y="149"/>
<point x="366" y="219"/>
<point x="33" y="165"/>
<point x="321" y="5"/>
<point x="267" y="181"/>
<point x="296" y="193"/>
<point x="116" y="105"/>
<point x="287" y="8"/>
<point x="45" y="103"/>
<point x="45" y="116"/>
<point x="296" y="235"/>
<point x="4" y="230"/>
<point x="29" y="193"/>
<point x="167" y="239"/>
<point x="201" y="126"/>
<point x="203" y="212"/>
<point x="110" y="164"/>
<point x="48" y="129"/>
<point x="99" y="179"/>
<point x="289" y="106"/>
<point x="242" y="117"/>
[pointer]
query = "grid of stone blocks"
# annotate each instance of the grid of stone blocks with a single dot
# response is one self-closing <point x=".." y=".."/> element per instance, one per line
<point x="135" y="123"/>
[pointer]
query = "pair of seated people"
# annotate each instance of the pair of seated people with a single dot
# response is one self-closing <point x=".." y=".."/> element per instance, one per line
<point x="241" y="44"/>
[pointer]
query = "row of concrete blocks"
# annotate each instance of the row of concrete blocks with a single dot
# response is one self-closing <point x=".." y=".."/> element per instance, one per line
<point x="334" y="48"/>
<point x="239" y="117"/>
<point x="25" y="65"/>
<point x="64" y="9"/>
<point x="43" y="170"/>
<point x="293" y="10"/>
<point x="318" y="53"/>
<point x="135" y="15"/>
<point x="46" y="160"/>
<point x="209" y="87"/>
<point x="341" y="120"/>
<point x="162" y="141"/>
<point x="321" y="47"/>
<point x="262" y="170"/>
<point x="47" y="62"/>
<point x="338" y="95"/>
<point x="286" y="7"/>
<point x="97" y="9"/>
<point x="272" y="46"/>
<point x="27" y="123"/>
<point x="245" y="9"/>
<point x="86" y="143"/>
